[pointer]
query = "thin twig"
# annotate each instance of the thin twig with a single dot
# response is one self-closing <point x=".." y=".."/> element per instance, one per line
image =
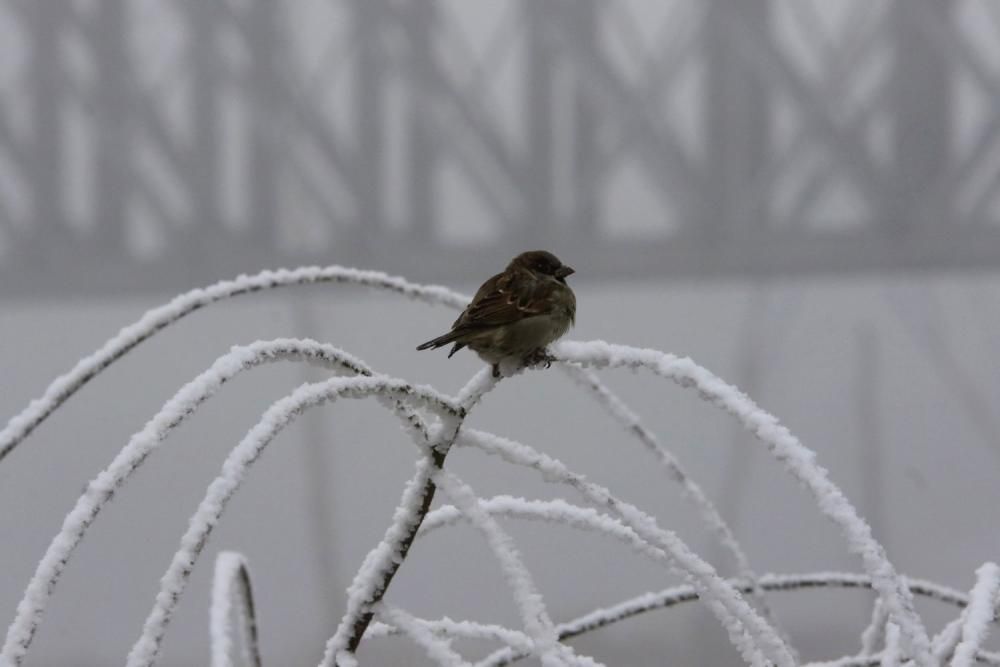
<point x="748" y="632"/>
<point x="388" y="555"/>
<point x="232" y="594"/>
<point x="690" y="490"/>
<point x="537" y="623"/>
<point x="978" y="615"/>
<point x="436" y="648"/>
<point x="181" y="406"/>
<point x="64" y="386"/>
<point x="221" y="490"/>
<point x="783" y="445"/>
<point x="771" y="583"/>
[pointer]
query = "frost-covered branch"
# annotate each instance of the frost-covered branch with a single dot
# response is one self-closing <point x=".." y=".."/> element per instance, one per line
<point x="447" y="627"/>
<point x="798" y="460"/>
<point x="221" y="490"/>
<point x="771" y="583"/>
<point x="892" y="656"/>
<point x="381" y="564"/>
<point x="64" y="386"/>
<point x="978" y="615"/>
<point x="751" y="634"/>
<point x="553" y="511"/>
<point x="437" y="649"/>
<point x="946" y="641"/>
<point x="517" y="643"/>
<point x="100" y="490"/>
<point x="690" y="490"/>
<point x="537" y="623"/>
<point x="873" y="637"/>
<point x="232" y="596"/>
<point x="878" y="659"/>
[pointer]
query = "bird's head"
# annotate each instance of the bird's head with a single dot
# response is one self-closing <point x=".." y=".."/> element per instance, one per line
<point x="542" y="262"/>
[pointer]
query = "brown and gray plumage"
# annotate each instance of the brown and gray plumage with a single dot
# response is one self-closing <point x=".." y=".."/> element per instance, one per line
<point x="516" y="313"/>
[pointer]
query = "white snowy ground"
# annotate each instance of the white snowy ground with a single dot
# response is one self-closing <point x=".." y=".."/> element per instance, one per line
<point x="843" y="365"/>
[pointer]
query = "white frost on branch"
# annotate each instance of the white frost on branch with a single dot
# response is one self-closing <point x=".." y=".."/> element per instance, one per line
<point x="102" y="488"/>
<point x="944" y="643"/>
<point x="892" y="656"/>
<point x="978" y="615"/>
<point x="388" y="553"/>
<point x="221" y="490"/>
<point x="772" y="583"/>
<point x="798" y="460"/>
<point x="437" y="649"/>
<point x="873" y="637"/>
<point x="537" y="623"/>
<point x="461" y="629"/>
<point x="553" y="511"/>
<point x="749" y="633"/>
<point x="64" y="386"/>
<point x="690" y="490"/>
<point x="232" y="599"/>
<point x="892" y="588"/>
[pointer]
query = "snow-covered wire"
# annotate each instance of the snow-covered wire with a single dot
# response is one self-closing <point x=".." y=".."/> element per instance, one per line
<point x="380" y="564"/>
<point x="232" y="596"/>
<point x="64" y="386"/>
<point x="797" y="459"/>
<point x="690" y="490"/>
<point x="749" y="633"/>
<point x="978" y="615"/>
<point x="220" y="491"/>
<point x="102" y="488"/>
<point x="437" y="649"/>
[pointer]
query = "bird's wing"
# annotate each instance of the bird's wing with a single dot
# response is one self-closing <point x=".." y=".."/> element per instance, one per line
<point x="505" y="298"/>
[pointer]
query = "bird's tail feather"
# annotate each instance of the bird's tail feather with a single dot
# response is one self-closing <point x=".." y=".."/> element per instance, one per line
<point x="440" y="341"/>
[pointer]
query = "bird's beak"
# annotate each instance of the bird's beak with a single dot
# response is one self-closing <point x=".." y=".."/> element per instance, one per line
<point x="564" y="271"/>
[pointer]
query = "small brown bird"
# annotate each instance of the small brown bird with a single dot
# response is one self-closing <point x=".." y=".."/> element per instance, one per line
<point x="515" y="314"/>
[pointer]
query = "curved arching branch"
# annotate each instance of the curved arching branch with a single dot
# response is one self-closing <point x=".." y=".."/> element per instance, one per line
<point x="437" y="649"/>
<point x="221" y="490"/>
<point x="64" y="386"/>
<point x="690" y="490"/>
<point x="771" y="583"/>
<point x="783" y="445"/>
<point x="232" y="596"/>
<point x="389" y="554"/>
<point x="748" y="632"/>
<point x="102" y="488"/>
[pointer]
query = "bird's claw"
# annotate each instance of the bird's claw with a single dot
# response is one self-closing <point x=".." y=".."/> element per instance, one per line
<point x="539" y="357"/>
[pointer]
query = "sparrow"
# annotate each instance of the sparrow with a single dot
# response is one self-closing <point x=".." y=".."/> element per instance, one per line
<point x="516" y="313"/>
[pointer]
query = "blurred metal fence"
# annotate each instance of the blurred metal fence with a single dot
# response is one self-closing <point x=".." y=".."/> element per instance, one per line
<point x="155" y="143"/>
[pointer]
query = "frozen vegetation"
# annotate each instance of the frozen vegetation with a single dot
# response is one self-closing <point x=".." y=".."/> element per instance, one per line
<point x="435" y="423"/>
